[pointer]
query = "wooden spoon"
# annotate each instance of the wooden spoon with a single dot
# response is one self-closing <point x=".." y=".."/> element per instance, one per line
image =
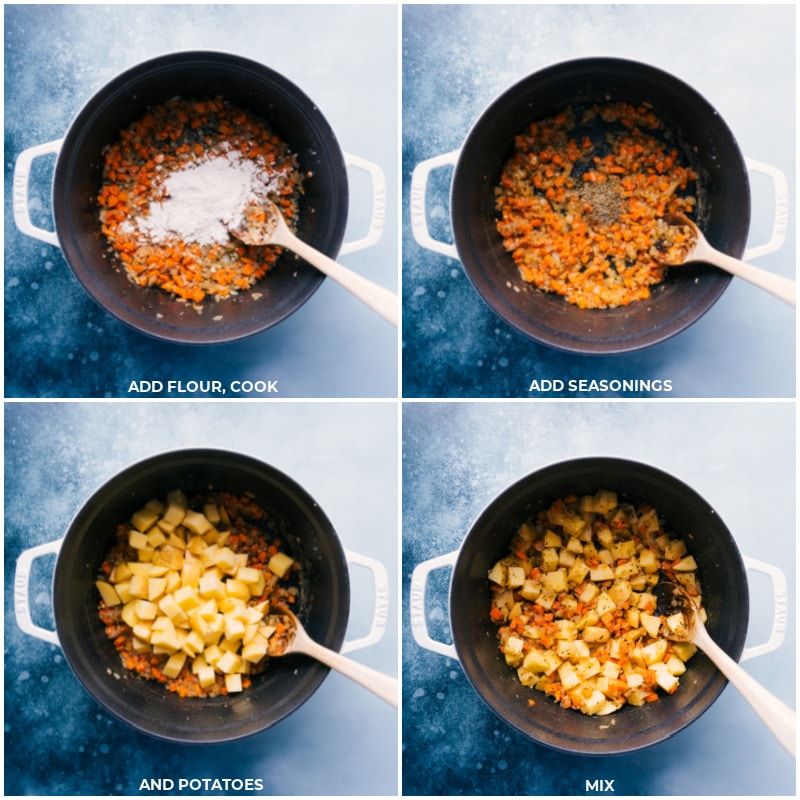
<point x="294" y="639"/>
<point x="703" y="251"/>
<point x="264" y="224"/>
<point x="684" y="624"/>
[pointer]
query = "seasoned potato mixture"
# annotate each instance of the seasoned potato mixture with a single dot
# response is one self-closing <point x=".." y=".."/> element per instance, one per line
<point x="575" y="607"/>
<point x="185" y="592"/>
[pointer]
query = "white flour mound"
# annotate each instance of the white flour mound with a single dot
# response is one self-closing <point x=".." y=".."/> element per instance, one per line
<point x="204" y="200"/>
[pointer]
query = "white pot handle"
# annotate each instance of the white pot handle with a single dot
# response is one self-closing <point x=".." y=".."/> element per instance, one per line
<point x="419" y="217"/>
<point x="419" y="581"/>
<point x="378" y="219"/>
<point x="780" y="608"/>
<point x="22" y="577"/>
<point x="780" y="222"/>
<point x="381" y="583"/>
<point x="22" y="173"/>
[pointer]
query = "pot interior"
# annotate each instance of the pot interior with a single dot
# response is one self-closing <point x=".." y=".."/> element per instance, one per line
<point x="721" y="574"/>
<point x="287" y="682"/>
<point x="290" y="114"/>
<point x="723" y="209"/>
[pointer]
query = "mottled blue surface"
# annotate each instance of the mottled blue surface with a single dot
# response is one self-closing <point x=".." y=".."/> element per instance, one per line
<point x="457" y="59"/>
<point x="58" y="741"/>
<point x="457" y="457"/>
<point x="59" y="343"/>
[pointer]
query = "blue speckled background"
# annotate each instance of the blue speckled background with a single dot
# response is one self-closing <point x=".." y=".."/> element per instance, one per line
<point x="58" y="741"/>
<point x="457" y="457"/>
<point x="59" y="343"/>
<point x="458" y="58"/>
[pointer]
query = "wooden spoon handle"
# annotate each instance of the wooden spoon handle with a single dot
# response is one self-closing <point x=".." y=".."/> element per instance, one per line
<point x="384" y="686"/>
<point x="781" y="287"/>
<point x="778" y="717"/>
<point x="380" y="300"/>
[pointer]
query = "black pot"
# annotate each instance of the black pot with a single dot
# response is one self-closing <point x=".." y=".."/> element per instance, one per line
<point x="721" y="574"/>
<point x="723" y="209"/>
<point x="77" y="179"/>
<point x="286" y="684"/>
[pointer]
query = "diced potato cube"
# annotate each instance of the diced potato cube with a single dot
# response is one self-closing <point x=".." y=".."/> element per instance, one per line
<point x="206" y="676"/>
<point x="555" y="581"/>
<point x="234" y="628"/>
<point x="651" y="624"/>
<point x="174" y="665"/>
<point x="564" y="649"/>
<point x="142" y="631"/>
<point x="188" y="597"/>
<point x="605" y="536"/>
<point x="604" y="501"/>
<point x="144" y="519"/>
<point x="620" y="592"/>
<point x="156" y="588"/>
<point x="549" y="560"/>
<point x="156" y="537"/>
<point x="648" y="522"/>
<point x="128" y="614"/>
<point x="577" y="572"/>
<point x="139" y="586"/>
<point x="675" y="548"/>
<point x="513" y="651"/>
<point x="588" y="593"/>
<point x="211" y="586"/>
<point x="588" y="668"/>
<point x="655" y="651"/>
<point x="566" y="629"/>
<point x="233" y="683"/>
<point x="515" y="577"/>
<point x="648" y="561"/>
<point x="248" y="575"/>
<point x="551" y="539"/>
<point x="666" y="680"/>
<point x="568" y="677"/>
<point x="196" y="522"/>
<point x="145" y="609"/>
<point x="255" y="649"/>
<point x="566" y="558"/>
<point x="163" y="635"/>
<point x="604" y="604"/>
<point x="686" y="564"/>
<point x="137" y="540"/>
<point x="193" y="644"/>
<point x="497" y="574"/>
<point x="121" y="573"/>
<point x="611" y="670"/>
<point x="280" y="564"/>
<point x="684" y="650"/>
<point x="211" y="513"/>
<point x="594" y="634"/>
<point x="108" y="593"/>
<point x="237" y="589"/>
<point x="594" y="704"/>
<point x="602" y="572"/>
<point x="675" y="666"/>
